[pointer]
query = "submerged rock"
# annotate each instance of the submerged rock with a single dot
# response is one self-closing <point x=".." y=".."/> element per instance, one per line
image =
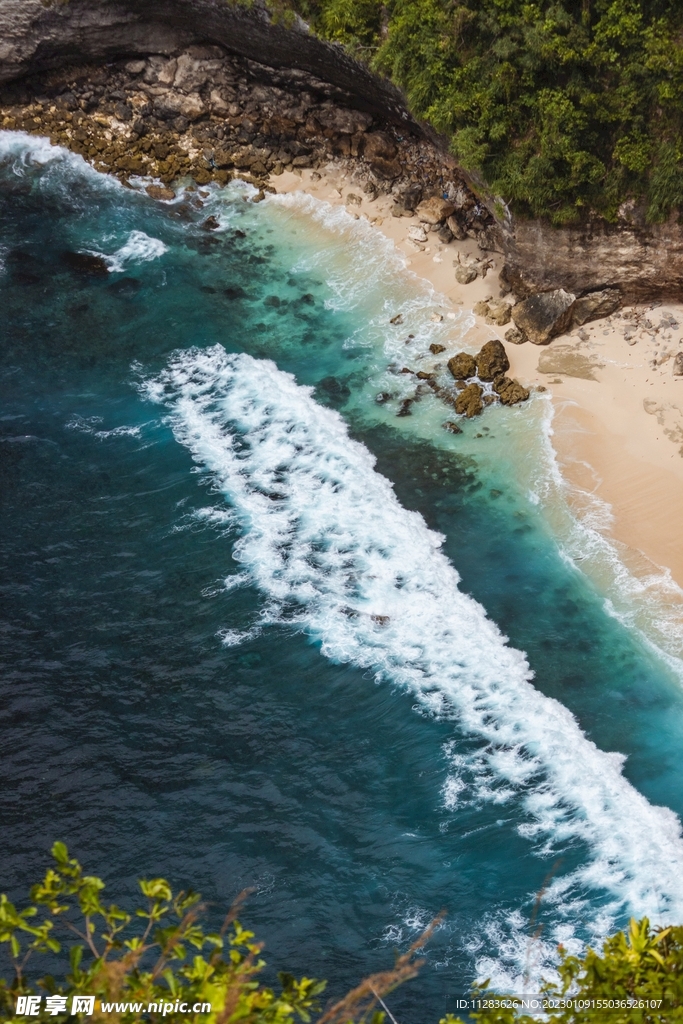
<point x="544" y="315"/>
<point x="462" y="366"/>
<point x="510" y="392"/>
<point x="85" y="263"/>
<point x="492" y="360"/>
<point x="469" y="401"/>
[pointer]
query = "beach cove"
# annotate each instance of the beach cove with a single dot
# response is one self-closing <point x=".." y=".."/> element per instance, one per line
<point x="193" y="336"/>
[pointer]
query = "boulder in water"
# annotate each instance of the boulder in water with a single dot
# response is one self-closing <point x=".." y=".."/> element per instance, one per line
<point x="510" y="392"/>
<point x="469" y="402"/>
<point x="492" y="360"/>
<point x="462" y="366"/>
<point x="160" y="192"/>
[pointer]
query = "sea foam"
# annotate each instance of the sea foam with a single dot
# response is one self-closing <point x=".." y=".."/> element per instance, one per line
<point x="326" y="540"/>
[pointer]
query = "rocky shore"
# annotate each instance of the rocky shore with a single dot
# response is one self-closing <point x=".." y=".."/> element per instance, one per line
<point x="207" y="115"/>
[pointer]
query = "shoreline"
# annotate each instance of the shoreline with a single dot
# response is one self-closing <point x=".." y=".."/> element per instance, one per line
<point x="617" y="428"/>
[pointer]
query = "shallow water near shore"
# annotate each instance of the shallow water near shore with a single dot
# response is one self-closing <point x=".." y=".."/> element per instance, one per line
<point x="236" y="650"/>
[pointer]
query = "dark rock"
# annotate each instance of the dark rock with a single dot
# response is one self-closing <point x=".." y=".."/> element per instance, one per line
<point x="235" y="292"/>
<point x="515" y="337"/>
<point x="445" y="235"/>
<point x="596" y="305"/>
<point x="307" y="299"/>
<point x="458" y="231"/>
<point x="125" y="286"/>
<point x="468" y="402"/>
<point x="210" y="224"/>
<point x="405" y="407"/>
<point x="159" y="192"/>
<point x="436" y="349"/>
<point x="272" y="300"/>
<point x="544" y="315"/>
<point x="678" y="365"/>
<point x="452" y="427"/>
<point x="410" y="197"/>
<point x="380" y="151"/>
<point x="462" y="366"/>
<point x="492" y="360"/>
<point x="85" y="263"/>
<point x="382" y="396"/>
<point x="510" y="391"/>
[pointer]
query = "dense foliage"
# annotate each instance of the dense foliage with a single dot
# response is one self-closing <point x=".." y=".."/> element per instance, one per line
<point x="563" y="107"/>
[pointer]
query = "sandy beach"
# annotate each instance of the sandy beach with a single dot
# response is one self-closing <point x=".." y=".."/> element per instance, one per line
<point x="618" y="408"/>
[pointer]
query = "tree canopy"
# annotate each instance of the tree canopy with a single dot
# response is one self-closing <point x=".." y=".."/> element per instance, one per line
<point x="565" y="108"/>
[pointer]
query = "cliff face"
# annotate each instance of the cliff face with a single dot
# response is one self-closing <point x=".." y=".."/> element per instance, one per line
<point x="645" y="261"/>
<point x="37" y="35"/>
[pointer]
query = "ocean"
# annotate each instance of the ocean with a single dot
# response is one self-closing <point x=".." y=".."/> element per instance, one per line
<point x="267" y="624"/>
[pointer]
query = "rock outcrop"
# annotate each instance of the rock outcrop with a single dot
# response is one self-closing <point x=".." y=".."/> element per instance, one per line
<point x="544" y="315"/>
<point x="469" y="402"/>
<point x="462" y="366"/>
<point x="596" y="305"/>
<point x="643" y="261"/>
<point x="492" y="360"/>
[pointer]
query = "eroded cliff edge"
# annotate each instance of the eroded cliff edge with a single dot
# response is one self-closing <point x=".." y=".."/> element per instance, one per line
<point x="633" y="260"/>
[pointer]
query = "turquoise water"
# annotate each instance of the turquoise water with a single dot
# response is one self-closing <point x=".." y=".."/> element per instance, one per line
<point x="253" y="619"/>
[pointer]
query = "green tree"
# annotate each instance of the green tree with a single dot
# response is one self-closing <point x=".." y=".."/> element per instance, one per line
<point x="159" y="963"/>
<point x="565" y="107"/>
<point x="636" y="979"/>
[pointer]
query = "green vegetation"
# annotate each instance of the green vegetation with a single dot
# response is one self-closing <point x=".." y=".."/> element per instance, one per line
<point x="163" y="960"/>
<point x="159" y="956"/>
<point x="565" y="108"/>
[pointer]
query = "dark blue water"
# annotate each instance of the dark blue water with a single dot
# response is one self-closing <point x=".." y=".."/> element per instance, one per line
<point x="131" y="732"/>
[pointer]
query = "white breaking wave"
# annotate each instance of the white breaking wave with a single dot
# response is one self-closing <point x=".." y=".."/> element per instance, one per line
<point x="328" y="543"/>
<point x="140" y="248"/>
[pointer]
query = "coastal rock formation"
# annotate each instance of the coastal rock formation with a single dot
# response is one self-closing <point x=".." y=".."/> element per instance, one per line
<point x="510" y="391"/>
<point x="469" y="402"/>
<point x="643" y="261"/>
<point x="462" y="366"/>
<point x="545" y="315"/>
<point x="492" y="360"/>
<point x="678" y="364"/>
<point x="435" y="210"/>
<point x="596" y="305"/>
<point x="495" y="311"/>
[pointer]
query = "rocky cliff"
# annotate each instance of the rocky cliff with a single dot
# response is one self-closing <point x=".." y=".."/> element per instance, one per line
<point x="39" y="38"/>
<point x="41" y="35"/>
